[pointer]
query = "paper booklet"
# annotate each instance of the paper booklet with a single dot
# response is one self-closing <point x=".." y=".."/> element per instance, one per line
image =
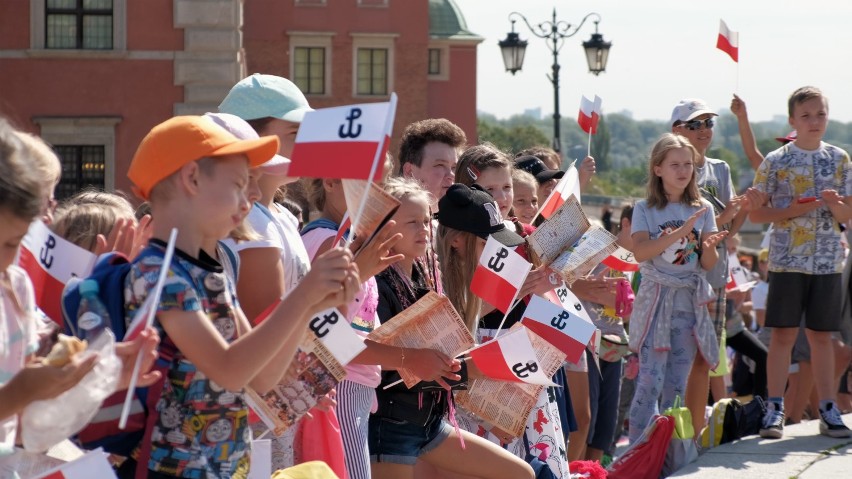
<point x="312" y="374"/>
<point x="568" y="244"/>
<point x="379" y="209"/>
<point x="431" y="322"/>
<point x="508" y="405"/>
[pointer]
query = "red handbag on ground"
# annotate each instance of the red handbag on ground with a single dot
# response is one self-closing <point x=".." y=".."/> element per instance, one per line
<point x="644" y="459"/>
<point x="320" y="440"/>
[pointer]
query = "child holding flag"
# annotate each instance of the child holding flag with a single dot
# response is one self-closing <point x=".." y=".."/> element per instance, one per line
<point x="194" y="173"/>
<point x="674" y="239"/>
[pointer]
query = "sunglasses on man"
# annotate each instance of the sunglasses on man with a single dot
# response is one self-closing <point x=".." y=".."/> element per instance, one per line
<point x="693" y="125"/>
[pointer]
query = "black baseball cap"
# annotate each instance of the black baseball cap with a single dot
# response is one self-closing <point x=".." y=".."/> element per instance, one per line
<point x="473" y="210"/>
<point x="536" y="167"/>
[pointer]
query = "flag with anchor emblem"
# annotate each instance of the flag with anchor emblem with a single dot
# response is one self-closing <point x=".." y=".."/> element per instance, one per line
<point x="511" y="357"/>
<point x="622" y="260"/>
<point x="51" y="261"/>
<point x="344" y="141"/>
<point x="499" y="275"/>
<point x="562" y="328"/>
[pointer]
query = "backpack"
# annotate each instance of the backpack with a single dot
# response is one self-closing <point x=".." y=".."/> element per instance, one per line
<point x="644" y="458"/>
<point x="110" y="272"/>
<point x="723" y="425"/>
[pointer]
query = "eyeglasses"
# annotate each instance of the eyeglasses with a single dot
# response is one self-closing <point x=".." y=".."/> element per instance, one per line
<point x="693" y="125"/>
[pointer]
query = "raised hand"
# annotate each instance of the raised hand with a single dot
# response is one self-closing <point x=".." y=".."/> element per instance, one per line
<point x="688" y="226"/>
<point x="738" y="107"/>
<point x="333" y="279"/>
<point x="714" y="239"/>
<point x="376" y="256"/>
<point x="586" y="170"/>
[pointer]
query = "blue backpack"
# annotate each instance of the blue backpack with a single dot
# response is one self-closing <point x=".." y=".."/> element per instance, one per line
<point x="110" y="272"/>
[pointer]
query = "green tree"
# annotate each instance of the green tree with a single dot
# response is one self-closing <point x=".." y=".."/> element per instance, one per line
<point x="510" y="139"/>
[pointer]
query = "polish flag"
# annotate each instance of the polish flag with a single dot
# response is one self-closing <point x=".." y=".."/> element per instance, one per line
<point x="560" y="327"/>
<point x="737" y="277"/>
<point x="622" y="260"/>
<point x="510" y="357"/>
<point x="499" y="275"/>
<point x="568" y="185"/>
<point x="51" y="261"/>
<point x="590" y="114"/>
<point x="93" y="464"/>
<point x="335" y="333"/>
<point x="344" y="141"/>
<point x="728" y="41"/>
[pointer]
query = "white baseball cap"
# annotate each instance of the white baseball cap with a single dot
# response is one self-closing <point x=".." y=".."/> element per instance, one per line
<point x="690" y="108"/>
<point x="238" y="127"/>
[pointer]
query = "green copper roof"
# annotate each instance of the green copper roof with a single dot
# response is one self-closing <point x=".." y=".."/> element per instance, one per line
<point x="447" y="21"/>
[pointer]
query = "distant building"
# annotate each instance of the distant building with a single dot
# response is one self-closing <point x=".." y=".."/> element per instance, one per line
<point x="92" y="77"/>
<point x="534" y="113"/>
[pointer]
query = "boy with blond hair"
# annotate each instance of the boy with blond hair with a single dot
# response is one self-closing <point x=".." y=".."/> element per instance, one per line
<point x="807" y="183"/>
<point x="194" y="174"/>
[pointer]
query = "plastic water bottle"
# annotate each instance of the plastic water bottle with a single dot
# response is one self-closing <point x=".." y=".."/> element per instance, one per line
<point x="92" y="316"/>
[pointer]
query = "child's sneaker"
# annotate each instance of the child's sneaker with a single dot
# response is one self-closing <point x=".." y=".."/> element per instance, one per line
<point x="773" y="422"/>
<point x="831" y="424"/>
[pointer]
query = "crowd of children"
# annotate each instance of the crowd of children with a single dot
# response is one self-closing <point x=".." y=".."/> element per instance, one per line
<point x="248" y="275"/>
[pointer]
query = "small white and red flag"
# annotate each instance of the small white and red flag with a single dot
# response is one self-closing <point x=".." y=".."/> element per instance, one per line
<point x="590" y="114"/>
<point x="499" y="275"/>
<point x="560" y="327"/>
<point x="728" y="41"/>
<point x="93" y="464"/>
<point x="622" y="260"/>
<point x="510" y="357"/>
<point x="568" y="185"/>
<point x="337" y="335"/>
<point x="344" y="141"/>
<point x="738" y="279"/>
<point x="51" y="261"/>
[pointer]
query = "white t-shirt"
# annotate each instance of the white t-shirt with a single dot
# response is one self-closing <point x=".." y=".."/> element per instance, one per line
<point x="18" y="339"/>
<point x="278" y="229"/>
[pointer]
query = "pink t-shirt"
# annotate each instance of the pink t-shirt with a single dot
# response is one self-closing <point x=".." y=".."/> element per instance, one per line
<point x="361" y="312"/>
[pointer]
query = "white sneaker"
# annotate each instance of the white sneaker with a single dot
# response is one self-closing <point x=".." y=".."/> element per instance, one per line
<point x="831" y="424"/>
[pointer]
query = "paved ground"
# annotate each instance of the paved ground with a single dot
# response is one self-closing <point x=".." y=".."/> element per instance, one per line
<point x="802" y="454"/>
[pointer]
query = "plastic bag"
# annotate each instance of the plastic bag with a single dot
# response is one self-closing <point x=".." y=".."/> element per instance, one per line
<point x="46" y="423"/>
<point x="680" y="453"/>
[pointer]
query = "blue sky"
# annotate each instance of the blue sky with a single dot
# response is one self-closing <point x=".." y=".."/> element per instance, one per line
<point x="664" y="50"/>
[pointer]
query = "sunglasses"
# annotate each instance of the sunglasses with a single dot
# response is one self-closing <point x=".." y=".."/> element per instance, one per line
<point x="693" y="125"/>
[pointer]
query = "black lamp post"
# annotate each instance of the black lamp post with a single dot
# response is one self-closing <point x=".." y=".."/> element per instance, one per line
<point x="513" y="49"/>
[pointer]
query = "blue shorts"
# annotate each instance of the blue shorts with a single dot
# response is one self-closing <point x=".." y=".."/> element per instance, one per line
<point x="402" y="442"/>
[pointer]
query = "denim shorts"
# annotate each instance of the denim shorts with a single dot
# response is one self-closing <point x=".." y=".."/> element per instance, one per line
<point x="401" y="442"/>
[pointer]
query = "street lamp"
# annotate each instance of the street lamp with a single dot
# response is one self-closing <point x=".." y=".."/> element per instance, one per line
<point x="513" y="49"/>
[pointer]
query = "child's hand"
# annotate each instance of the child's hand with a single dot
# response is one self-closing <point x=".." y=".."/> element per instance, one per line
<point x="738" y="108"/>
<point x="714" y="239"/>
<point x="333" y="279"/>
<point x="432" y="365"/>
<point x="537" y="282"/>
<point x="127" y="351"/>
<point x="38" y="381"/>
<point x="803" y="205"/>
<point x="586" y="170"/>
<point x="732" y="208"/>
<point x="687" y="227"/>
<point x="375" y="258"/>
<point x="830" y="197"/>
<point x="754" y="199"/>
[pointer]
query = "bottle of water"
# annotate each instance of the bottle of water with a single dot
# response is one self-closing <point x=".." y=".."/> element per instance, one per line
<point x="92" y="316"/>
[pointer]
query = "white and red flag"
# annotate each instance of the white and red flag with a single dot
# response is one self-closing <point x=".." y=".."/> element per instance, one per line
<point x="590" y="114"/>
<point x="728" y="41"/>
<point x="622" y="260"/>
<point x="337" y="335"/>
<point x="93" y="464"/>
<point x="511" y="357"/>
<point x="51" y="261"/>
<point x="499" y="275"/>
<point x="738" y="279"/>
<point x="568" y="185"/>
<point x="560" y="327"/>
<point x="344" y="141"/>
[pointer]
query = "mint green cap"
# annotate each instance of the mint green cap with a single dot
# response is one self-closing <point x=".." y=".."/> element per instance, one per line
<point x="261" y="96"/>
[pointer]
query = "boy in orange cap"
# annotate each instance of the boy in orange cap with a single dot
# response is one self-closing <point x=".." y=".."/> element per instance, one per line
<point x="194" y="174"/>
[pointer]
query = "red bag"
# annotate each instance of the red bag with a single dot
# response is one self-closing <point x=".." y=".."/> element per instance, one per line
<point x="644" y="459"/>
<point x="320" y="440"/>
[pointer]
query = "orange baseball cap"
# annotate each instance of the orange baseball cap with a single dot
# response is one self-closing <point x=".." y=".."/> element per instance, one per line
<point x="183" y="139"/>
